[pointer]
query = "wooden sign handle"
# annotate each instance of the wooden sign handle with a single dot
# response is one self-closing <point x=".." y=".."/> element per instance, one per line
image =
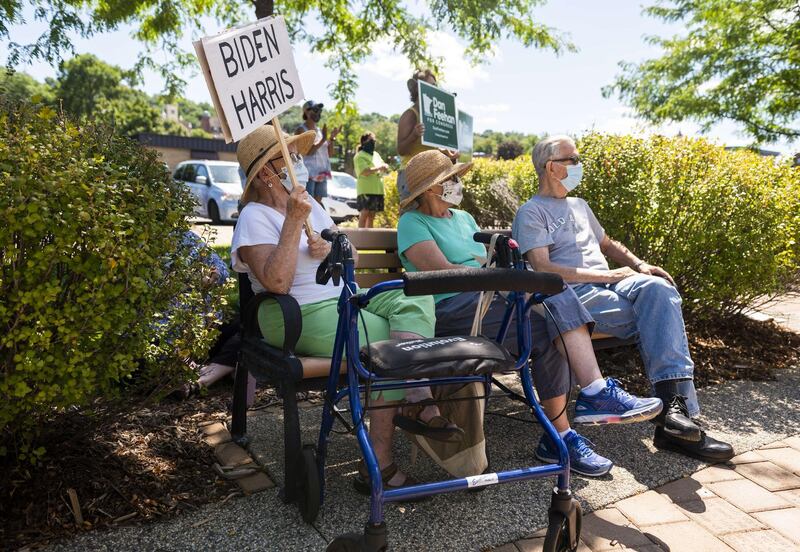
<point x="276" y="124"/>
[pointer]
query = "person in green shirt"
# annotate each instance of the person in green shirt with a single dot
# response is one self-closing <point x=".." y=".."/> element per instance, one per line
<point x="369" y="184"/>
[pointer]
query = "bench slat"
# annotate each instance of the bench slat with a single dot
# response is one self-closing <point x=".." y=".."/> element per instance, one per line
<point x="382" y="239"/>
<point x="369" y="280"/>
<point x="378" y="260"/>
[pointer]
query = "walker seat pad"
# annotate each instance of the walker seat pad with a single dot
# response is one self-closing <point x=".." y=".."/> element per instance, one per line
<point x="436" y="357"/>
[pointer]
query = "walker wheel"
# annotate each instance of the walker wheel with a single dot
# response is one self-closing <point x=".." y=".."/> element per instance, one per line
<point x="372" y="540"/>
<point x="309" y="497"/>
<point x="349" y="542"/>
<point x="559" y="529"/>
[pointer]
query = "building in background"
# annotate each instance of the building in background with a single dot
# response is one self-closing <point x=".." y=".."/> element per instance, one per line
<point x="211" y="124"/>
<point x="174" y="149"/>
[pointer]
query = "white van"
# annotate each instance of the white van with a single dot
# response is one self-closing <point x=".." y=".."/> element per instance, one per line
<point x="215" y="185"/>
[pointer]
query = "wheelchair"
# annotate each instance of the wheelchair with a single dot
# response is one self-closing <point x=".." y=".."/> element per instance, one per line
<point x="402" y="364"/>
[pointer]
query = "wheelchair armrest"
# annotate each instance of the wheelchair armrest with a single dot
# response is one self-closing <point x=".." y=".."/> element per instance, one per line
<point x="292" y="318"/>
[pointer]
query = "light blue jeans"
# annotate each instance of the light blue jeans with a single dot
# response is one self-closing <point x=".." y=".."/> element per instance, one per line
<point x="647" y="307"/>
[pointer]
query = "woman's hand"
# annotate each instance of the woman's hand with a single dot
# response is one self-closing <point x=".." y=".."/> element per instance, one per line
<point x="299" y="205"/>
<point x="317" y="247"/>
<point x="419" y="129"/>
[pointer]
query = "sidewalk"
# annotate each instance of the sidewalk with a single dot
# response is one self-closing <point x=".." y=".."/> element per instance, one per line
<point x="748" y="414"/>
<point x="751" y="504"/>
<point x="785" y="310"/>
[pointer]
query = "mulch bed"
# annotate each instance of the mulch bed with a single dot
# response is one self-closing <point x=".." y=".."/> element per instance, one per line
<point x="727" y="349"/>
<point x="126" y="466"/>
<point x="133" y="466"/>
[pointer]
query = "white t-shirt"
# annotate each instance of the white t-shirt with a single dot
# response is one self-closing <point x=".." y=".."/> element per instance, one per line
<point x="259" y="224"/>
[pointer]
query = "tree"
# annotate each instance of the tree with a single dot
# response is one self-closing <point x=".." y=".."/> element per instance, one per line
<point x="510" y="150"/>
<point x="130" y="112"/>
<point x="347" y="29"/>
<point x="15" y="86"/>
<point x="740" y="61"/>
<point x="90" y="88"/>
<point x="84" y="81"/>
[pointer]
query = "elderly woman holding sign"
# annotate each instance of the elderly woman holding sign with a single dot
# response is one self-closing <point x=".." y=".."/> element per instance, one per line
<point x="268" y="245"/>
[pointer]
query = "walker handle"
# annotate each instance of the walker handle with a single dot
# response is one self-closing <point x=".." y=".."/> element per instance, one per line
<point x="481" y="279"/>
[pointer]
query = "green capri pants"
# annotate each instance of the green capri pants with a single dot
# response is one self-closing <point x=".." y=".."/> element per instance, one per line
<point x="391" y="311"/>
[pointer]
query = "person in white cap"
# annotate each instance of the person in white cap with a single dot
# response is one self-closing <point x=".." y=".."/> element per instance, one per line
<point x="318" y="157"/>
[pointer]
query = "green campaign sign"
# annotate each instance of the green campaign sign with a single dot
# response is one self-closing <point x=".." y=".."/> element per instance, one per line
<point x="439" y="115"/>
<point x="464" y="136"/>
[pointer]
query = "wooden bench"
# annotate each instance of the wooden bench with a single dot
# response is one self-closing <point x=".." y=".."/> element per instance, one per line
<point x="379" y="261"/>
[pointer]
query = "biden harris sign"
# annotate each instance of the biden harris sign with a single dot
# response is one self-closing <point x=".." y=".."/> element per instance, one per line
<point x="251" y="74"/>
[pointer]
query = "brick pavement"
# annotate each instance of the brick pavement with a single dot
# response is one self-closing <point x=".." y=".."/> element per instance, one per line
<point x="750" y="504"/>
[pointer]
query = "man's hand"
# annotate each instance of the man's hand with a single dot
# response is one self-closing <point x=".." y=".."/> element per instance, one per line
<point x="335" y="132"/>
<point x="619" y="274"/>
<point x="384" y="168"/>
<point x="317" y="247"/>
<point x="419" y="130"/>
<point x="299" y="206"/>
<point x="653" y="270"/>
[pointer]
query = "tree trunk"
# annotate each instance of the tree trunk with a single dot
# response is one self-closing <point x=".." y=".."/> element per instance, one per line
<point x="263" y="8"/>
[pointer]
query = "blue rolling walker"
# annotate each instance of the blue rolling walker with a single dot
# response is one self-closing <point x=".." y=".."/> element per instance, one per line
<point x="441" y="361"/>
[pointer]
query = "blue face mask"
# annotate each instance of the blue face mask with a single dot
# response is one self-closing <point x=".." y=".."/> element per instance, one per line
<point x="574" y="176"/>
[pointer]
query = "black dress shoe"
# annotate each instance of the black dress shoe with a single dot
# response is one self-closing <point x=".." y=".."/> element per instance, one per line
<point x="676" y="422"/>
<point x="707" y="449"/>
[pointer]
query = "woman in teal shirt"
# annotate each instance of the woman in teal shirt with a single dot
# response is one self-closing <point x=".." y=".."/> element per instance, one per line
<point x="369" y="185"/>
<point x="433" y="235"/>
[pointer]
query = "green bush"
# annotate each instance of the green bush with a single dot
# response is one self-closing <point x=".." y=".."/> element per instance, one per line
<point x="725" y="224"/>
<point x="391" y="203"/>
<point x="91" y="268"/>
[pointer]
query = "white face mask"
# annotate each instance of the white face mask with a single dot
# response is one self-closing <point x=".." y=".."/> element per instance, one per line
<point x="300" y="171"/>
<point x="574" y="176"/>
<point x="452" y="192"/>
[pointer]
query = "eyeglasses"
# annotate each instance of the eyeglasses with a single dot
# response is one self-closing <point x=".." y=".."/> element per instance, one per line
<point x="295" y="157"/>
<point x="575" y="159"/>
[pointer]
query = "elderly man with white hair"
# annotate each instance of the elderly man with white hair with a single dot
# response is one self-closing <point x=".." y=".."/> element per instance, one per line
<point x="560" y="234"/>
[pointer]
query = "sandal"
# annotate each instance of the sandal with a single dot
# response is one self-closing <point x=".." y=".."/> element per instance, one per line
<point x="362" y="482"/>
<point x="437" y="428"/>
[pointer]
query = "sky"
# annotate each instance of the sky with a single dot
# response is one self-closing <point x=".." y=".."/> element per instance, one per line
<point x="517" y="89"/>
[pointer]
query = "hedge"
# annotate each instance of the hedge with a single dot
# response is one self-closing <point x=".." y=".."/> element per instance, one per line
<point x="92" y="268"/>
<point x="725" y="224"/>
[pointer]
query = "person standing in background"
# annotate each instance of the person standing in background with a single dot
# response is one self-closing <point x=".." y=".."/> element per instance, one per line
<point x="317" y="160"/>
<point x="410" y="130"/>
<point x="368" y="166"/>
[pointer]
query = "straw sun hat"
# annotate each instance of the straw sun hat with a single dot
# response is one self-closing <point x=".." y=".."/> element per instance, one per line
<point x="427" y="169"/>
<point x="261" y="146"/>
